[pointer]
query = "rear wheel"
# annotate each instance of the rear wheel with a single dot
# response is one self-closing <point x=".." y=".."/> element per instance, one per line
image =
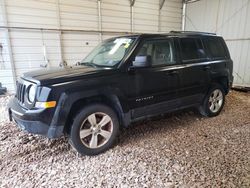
<point x="213" y="102"/>
<point x="94" y="129"/>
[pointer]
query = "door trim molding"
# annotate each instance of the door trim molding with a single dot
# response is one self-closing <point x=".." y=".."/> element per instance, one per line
<point x="174" y="67"/>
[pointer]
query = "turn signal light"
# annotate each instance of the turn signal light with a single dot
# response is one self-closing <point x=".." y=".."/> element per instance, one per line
<point x="49" y="104"/>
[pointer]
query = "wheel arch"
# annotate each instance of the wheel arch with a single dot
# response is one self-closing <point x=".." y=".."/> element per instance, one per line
<point x="111" y="101"/>
<point x="223" y="81"/>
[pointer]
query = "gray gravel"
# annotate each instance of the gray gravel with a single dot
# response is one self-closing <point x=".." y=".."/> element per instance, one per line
<point x="179" y="150"/>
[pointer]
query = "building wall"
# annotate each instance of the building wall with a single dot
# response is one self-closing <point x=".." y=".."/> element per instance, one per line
<point x="31" y="49"/>
<point x="230" y="19"/>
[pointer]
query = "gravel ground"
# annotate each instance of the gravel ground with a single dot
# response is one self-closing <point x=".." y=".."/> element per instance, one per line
<point x="179" y="150"/>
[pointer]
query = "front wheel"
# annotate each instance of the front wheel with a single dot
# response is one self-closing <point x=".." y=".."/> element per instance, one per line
<point x="94" y="129"/>
<point x="213" y="102"/>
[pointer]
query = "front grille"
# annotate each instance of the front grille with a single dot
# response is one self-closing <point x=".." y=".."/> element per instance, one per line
<point x="20" y="92"/>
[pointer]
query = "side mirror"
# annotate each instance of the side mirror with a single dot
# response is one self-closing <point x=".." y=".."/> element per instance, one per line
<point x="142" y="61"/>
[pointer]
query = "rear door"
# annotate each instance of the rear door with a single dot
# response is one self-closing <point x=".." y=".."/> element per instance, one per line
<point x="194" y="76"/>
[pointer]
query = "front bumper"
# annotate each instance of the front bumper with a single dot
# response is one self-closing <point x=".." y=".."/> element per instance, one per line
<point x="33" y="121"/>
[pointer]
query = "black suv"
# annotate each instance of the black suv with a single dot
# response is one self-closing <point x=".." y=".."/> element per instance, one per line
<point x="124" y="79"/>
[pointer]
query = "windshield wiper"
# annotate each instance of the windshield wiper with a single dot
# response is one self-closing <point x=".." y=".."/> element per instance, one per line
<point x="90" y="64"/>
<point x="87" y="64"/>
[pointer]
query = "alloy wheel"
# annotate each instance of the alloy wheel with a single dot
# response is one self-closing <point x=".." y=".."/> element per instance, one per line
<point x="96" y="130"/>
<point x="215" y="100"/>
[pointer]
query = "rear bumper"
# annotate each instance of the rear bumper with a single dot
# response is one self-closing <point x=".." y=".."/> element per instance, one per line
<point x="32" y="120"/>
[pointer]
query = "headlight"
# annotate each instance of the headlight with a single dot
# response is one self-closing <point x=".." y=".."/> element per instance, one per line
<point x="32" y="93"/>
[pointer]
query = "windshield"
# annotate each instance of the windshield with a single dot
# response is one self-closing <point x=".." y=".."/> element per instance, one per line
<point x="109" y="53"/>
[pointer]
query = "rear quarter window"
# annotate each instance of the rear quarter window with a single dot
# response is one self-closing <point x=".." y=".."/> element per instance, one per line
<point x="215" y="47"/>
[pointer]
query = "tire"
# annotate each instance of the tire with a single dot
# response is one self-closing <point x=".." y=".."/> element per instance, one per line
<point x="94" y="129"/>
<point x="213" y="102"/>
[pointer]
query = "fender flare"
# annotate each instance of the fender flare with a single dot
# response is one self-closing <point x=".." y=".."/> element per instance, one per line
<point x="68" y="99"/>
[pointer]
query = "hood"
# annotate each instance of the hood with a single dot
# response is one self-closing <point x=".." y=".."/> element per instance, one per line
<point x="58" y="75"/>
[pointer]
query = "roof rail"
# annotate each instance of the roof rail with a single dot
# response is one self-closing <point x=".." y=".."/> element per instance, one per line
<point x="193" y="32"/>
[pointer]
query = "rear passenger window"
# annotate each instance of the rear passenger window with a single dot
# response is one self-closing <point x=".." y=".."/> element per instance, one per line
<point x="192" y="49"/>
<point x="215" y="47"/>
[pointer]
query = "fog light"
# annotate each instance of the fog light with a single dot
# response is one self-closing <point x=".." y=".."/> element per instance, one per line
<point x="50" y="104"/>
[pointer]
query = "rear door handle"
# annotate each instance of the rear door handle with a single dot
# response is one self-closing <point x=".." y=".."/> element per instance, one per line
<point x="173" y="72"/>
<point x="207" y="67"/>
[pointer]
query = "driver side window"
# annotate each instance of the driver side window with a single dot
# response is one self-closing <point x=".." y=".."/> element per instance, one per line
<point x="159" y="51"/>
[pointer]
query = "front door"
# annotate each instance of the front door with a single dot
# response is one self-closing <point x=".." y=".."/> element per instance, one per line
<point x="154" y="89"/>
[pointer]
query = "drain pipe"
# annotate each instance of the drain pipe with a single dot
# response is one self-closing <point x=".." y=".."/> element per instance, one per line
<point x="184" y="8"/>
<point x="183" y="15"/>
<point x="8" y="42"/>
<point x="99" y="19"/>
<point x="132" y="3"/>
